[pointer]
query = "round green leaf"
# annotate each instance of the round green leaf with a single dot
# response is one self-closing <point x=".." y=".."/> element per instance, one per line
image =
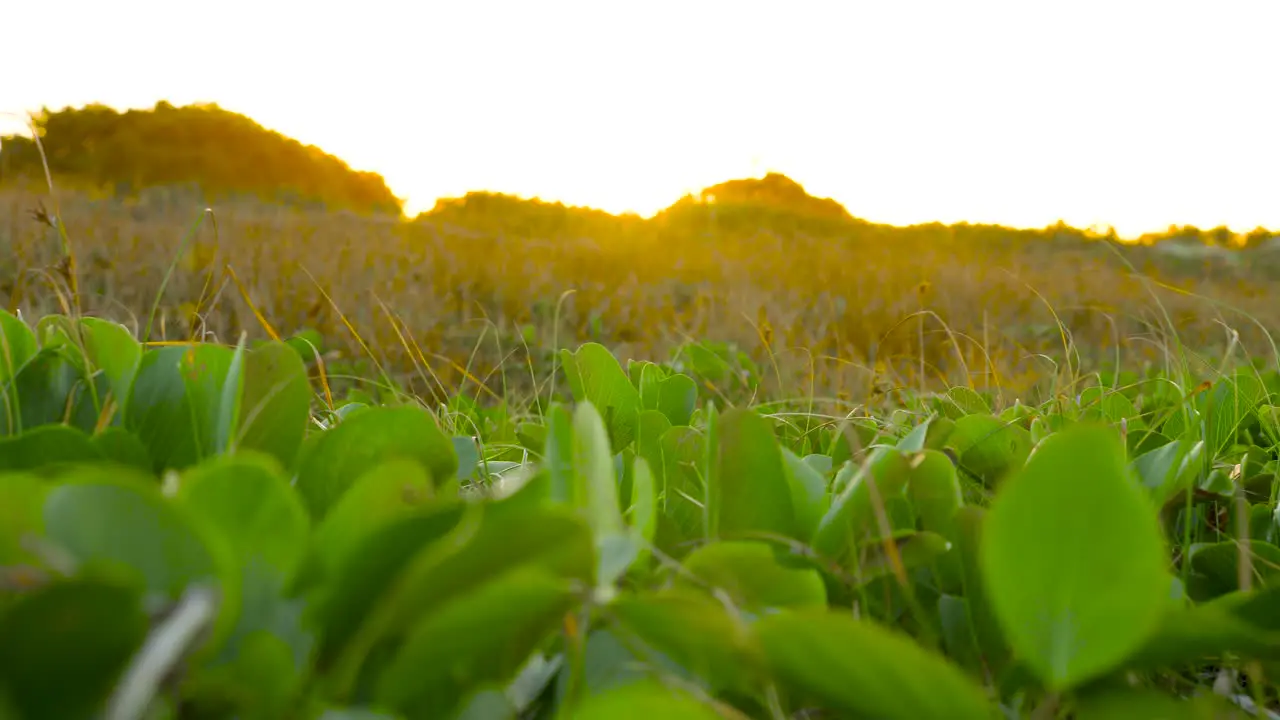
<point x="989" y="448"/>
<point x="357" y="444"/>
<point x="174" y="402"/>
<point x="276" y="402"/>
<point x="114" y="351"/>
<point x="595" y="376"/>
<point x="106" y="517"/>
<point x="41" y="391"/>
<point x="1131" y="704"/>
<point x="387" y="491"/>
<point x="645" y="699"/>
<point x="748" y="488"/>
<point x="852" y="517"/>
<point x="751" y="574"/>
<point x="1073" y="558"/>
<point x="507" y="537"/>
<point x="17" y="346"/>
<point x="808" y="491"/>
<point x="47" y="445"/>
<point x="361" y="580"/>
<point x="252" y="505"/>
<point x="694" y="632"/>
<point x="864" y="670"/>
<point x="595" y="486"/>
<point x="121" y="446"/>
<point x="64" y="646"/>
<point x="480" y="637"/>
<point x="21" y="500"/>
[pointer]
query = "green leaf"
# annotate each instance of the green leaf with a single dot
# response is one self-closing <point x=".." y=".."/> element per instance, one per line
<point x="683" y="493"/>
<point x="45" y="446"/>
<point x="1232" y="399"/>
<point x="259" y="679"/>
<point x="406" y="585"/>
<point x="1200" y="633"/>
<point x="481" y="637"/>
<point x="1099" y="404"/>
<point x="1073" y="558"/>
<point x="606" y="664"/>
<point x="112" y="349"/>
<point x="41" y="392"/>
<point x="363" y="577"/>
<point x="595" y="489"/>
<point x="695" y="633"/>
<point x="913" y="441"/>
<point x="21" y="500"/>
<point x="490" y="702"/>
<point x="751" y="574"/>
<point x="961" y="401"/>
<point x="1220" y="563"/>
<point x="989" y="448"/>
<point x="652" y="426"/>
<point x="970" y="521"/>
<point x="173" y="405"/>
<point x="1135" y="704"/>
<point x="250" y="502"/>
<point x="121" y="446"/>
<point x="673" y="395"/>
<point x="552" y="539"/>
<point x="912" y="549"/>
<point x="644" y="508"/>
<point x="959" y="637"/>
<point x="276" y="402"/>
<point x="748" y="484"/>
<point x="861" y="669"/>
<point x="935" y="491"/>
<point x="1167" y="471"/>
<point x="227" y="423"/>
<point x="339" y="456"/>
<point x="595" y="376"/>
<point x="645" y="699"/>
<point x="936" y="497"/>
<point x="107" y="519"/>
<point x="63" y="647"/>
<point x="808" y="492"/>
<point x="211" y="376"/>
<point x="387" y="491"/>
<point x="558" y="456"/>
<point x="468" y="451"/>
<point x="852" y="518"/>
<point x="17" y="346"/>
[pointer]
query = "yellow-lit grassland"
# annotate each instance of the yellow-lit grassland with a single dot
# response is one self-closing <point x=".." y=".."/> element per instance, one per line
<point x="829" y="310"/>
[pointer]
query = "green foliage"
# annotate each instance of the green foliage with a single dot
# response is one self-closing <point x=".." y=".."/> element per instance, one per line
<point x="863" y="669"/>
<point x="645" y="552"/>
<point x="1074" y="559"/>
<point x="64" y="646"/>
<point x="334" y="459"/>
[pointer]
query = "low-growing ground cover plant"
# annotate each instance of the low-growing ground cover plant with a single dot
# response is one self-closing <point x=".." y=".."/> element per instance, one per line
<point x="199" y="530"/>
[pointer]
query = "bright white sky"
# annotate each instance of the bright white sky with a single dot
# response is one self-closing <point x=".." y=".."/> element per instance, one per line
<point x="1124" y="112"/>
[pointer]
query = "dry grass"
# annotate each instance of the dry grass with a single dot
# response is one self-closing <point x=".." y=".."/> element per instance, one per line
<point x="826" y="315"/>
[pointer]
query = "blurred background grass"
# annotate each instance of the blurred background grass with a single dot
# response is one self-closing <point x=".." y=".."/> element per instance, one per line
<point x="491" y="285"/>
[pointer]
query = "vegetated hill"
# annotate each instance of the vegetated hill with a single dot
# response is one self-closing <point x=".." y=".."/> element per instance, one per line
<point x="778" y="207"/>
<point x="501" y="214"/>
<point x="772" y="204"/>
<point x="775" y="191"/>
<point x="220" y="152"/>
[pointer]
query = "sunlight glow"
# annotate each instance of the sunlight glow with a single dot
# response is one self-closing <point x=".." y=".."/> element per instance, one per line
<point x="1136" y="115"/>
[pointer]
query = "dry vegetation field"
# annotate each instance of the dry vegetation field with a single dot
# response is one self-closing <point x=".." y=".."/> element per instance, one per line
<point x="832" y="311"/>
